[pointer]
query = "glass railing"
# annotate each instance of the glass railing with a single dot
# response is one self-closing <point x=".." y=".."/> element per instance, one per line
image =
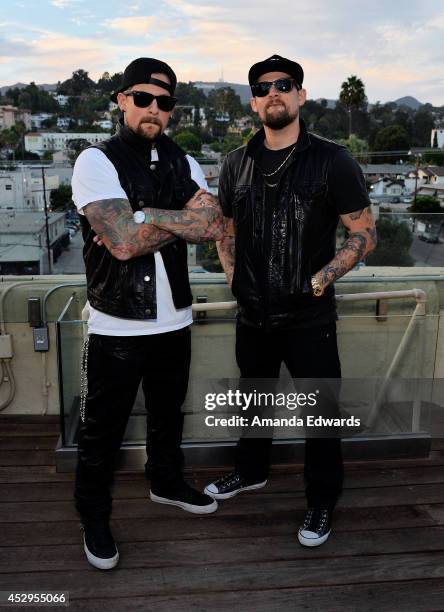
<point x="388" y="365"/>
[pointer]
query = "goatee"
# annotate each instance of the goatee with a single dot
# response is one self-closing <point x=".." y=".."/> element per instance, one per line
<point x="279" y="120"/>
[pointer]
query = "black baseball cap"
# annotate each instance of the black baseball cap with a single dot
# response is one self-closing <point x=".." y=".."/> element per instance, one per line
<point x="276" y="63"/>
<point x="140" y="71"/>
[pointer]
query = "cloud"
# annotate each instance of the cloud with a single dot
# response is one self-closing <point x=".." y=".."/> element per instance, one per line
<point x="394" y="52"/>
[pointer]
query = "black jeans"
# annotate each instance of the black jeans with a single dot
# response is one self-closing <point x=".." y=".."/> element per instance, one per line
<point x="116" y="366"/>
<point x="307" y="353"/>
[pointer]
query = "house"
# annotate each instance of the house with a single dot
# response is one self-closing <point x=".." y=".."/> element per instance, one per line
<point x="10" y="115"/>
<point x="23" y="242"/>
<point x="39" y="142"/>
<point x="38" y="118"/>
<point x="22" y="189"/>
<point x="437" y="138"/>
<point x="61" y="98"/>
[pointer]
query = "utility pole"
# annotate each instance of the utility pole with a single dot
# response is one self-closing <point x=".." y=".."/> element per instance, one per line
<point x="48" y="247"/>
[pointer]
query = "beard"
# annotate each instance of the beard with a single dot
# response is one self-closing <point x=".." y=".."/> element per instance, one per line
<point x="154" y="132"/>
<point x="279" y="117"/>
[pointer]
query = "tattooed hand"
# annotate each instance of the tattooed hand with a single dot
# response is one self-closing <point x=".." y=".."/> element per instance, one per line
<point x="200" y="199"/>
<point x="361" y="240"/>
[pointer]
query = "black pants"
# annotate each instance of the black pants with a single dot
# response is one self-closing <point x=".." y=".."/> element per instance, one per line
<point x="307" y="353"/>
<point x="116" y="366"/>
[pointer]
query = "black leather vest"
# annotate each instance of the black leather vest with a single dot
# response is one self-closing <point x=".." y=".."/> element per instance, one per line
<point x="127" y="289"/>
<point x="272" y="277"/>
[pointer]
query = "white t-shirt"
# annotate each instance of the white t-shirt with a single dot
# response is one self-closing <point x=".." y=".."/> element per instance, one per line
<point x="95" y="178"/>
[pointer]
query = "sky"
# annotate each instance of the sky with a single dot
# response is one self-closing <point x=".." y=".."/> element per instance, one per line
<point x="396" y="48"/>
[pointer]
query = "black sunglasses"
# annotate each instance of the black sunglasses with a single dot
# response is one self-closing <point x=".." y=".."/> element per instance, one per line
<point x="260" y="90"/>
<point x="143" y="99"/>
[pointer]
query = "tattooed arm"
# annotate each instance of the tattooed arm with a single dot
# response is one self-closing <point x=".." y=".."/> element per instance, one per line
<point x="112" y="220"/>
<point x="361" y="240"/>
<point x="225" y="249"/>
<point x="200" y="221"/>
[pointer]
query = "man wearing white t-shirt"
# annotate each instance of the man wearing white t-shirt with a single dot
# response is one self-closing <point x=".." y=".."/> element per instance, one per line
<point x="140" y="199"/>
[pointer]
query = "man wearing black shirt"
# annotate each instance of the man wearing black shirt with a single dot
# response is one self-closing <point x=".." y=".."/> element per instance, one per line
<point x="282" y="196"/>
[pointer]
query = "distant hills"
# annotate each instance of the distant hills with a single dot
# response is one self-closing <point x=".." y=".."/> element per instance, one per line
<point x="243" y="92"/>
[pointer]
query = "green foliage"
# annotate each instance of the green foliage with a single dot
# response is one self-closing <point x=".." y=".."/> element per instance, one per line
<point x="188" y="94"/>
<point x="352" y="96"/>
<point x="189" y="142"/>
<point x="78" y="84"/>
<point x="109" y="83"/>
<point x="392" y="138"/>
<point x="426" y="207"/>
<point x="394" y="242"/>
<point x="208" y="257"/>
<point x="61" y="198"/>
<point x="225" y="100"/>
<point x="356" y="146"/>
<point x="231" y="142"/>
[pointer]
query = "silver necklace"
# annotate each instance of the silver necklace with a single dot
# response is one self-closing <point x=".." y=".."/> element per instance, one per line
<point x="280" y="166"/>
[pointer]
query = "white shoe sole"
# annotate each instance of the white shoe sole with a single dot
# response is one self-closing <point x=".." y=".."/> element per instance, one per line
<point x="208" y="509"/>
<point x="103" y="564"/>
<point x="259" y="485"/>
<point x="313" y="541"/>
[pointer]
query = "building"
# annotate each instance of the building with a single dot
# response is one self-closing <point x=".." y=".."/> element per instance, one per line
<point x="105" y="124"/>
<point x="64" y="122"/>
<point x="373" y="172"/>
<point x="40" y="142"/>
<point x="10" y="115"/>
<point x="61" y="98"/>
<point x="22" y="189"/>
<point x="437" y="138"/>
<point x="38" y="118"/>
<point x="23" y="243"/>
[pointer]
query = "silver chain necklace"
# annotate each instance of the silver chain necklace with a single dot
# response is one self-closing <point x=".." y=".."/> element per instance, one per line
<point x="280" y="166"/>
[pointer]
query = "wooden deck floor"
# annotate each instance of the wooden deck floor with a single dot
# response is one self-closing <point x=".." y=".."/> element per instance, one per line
<point x="386" y="552"/>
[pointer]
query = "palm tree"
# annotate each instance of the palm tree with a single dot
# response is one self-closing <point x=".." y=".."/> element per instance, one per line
<point x="352" y="96"/>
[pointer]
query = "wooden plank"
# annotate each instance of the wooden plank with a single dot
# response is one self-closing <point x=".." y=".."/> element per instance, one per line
<point x="33" y="474"/>
<point x="28" y="429"/>
<point x="242" y="504"/>
<point x="28" y="443"/>
<point x="231" y="577"/>
<point x="137" y="486"/>
<point x="13" y="457"/>
<point x="413" y="596"/>
<point x="184" y="526"/>
<point x="249" y="549"/>
<point x="29" y="418"/>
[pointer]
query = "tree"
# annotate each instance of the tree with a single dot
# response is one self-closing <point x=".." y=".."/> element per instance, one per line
<point x="78" y="84"/>
<point x="356" y="146"/>
<point x="188" y="141"/>
<point x="61" y="198"/>
<point x="394" y="242"/>
<point x="392" y="138"/>
<point x="189" y="95"/>
<point x="425" y="208"/>
<point x="225" y="100"/>
<point x="353" y="96"/>
<point x="109" y="83"/>
<point x="423" y="124"/>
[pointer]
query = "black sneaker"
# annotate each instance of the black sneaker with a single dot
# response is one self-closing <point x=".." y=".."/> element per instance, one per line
<point x="230" y="485"/>
<point x="182" y="495"/>
<point x="99" y="545"/>
<point x="316" y="527"/>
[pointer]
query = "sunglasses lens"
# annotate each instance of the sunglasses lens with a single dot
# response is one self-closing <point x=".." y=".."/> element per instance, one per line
<point x="166" y="103"/>
<point x="261" y="89"/>
<point x="142" y="99"/>
<point x="283" y="85"/>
